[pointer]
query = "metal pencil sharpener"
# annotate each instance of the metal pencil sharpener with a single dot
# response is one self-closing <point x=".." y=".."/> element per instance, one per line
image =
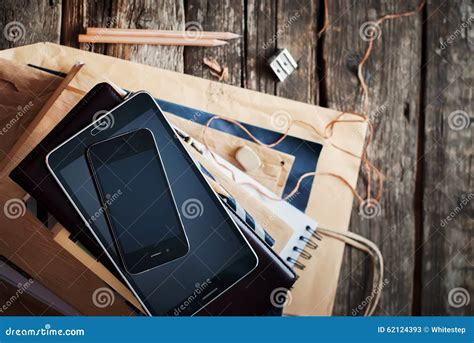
<point x="282" y="64"/>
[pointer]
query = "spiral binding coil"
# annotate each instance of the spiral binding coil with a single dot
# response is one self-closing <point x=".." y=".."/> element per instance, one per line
<point x="309" y="244"/>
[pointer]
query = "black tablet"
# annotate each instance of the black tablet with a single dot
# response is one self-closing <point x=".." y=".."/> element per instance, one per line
<point x="218" y="255"/>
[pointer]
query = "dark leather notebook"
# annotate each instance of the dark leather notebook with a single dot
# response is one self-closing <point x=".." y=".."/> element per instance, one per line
<point x="250" y="296"/>
<point x="34" y="177"/>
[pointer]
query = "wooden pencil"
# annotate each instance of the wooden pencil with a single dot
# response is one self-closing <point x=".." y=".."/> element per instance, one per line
<point x="150" y="40"/>
<point x="162" y="33"/>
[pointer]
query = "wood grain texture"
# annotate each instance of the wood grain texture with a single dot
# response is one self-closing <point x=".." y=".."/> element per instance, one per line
<point x="448" y="250"/>
<point x="19" y="28"/>
<point x="260" y="43"/>
<point x="393" y="77"/>
<point x="149" y="14"/>
<point x="208" y="15"/>
<point x="31" y="247"/>
<point x="77" y="15"/>
<point x="144" y="14"/>
<point x="408" y="223"/>
<point x="297" y="32"/>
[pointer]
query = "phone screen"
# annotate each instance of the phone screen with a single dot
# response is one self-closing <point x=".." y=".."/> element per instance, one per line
<point x="219" y="255"/>
<point x="137" y="200"/>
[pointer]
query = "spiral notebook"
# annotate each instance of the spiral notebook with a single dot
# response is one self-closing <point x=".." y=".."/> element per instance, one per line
<point x="304" y="238"/>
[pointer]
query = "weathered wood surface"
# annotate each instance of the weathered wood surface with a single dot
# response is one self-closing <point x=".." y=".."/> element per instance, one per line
<point x="211" y="15"/>
<point x="18" y="28"/>
<point x="447" y="277"/>
<point x="393" y="77"/>
<point x="427" y="164"/>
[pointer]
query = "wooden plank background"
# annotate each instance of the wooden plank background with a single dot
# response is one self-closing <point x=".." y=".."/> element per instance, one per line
<point x="416" y="83"/>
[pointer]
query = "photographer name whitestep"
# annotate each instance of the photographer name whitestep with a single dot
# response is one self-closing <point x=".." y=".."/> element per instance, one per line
<point x="445" y="329"/>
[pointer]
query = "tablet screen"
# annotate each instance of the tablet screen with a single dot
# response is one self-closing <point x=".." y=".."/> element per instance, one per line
<point x="218" y="257"/>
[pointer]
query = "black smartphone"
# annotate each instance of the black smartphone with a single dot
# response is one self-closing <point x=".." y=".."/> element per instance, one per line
<point x="219" y="255"/>
<point x="137" y="200"/>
